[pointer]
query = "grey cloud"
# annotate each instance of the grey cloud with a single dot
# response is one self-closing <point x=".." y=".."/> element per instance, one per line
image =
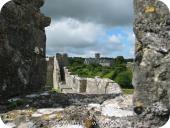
<point x="77" y="25"/>
<point x="80" y="38"/>
<point x="108" y="12"/>
<point x="73" y="33"/>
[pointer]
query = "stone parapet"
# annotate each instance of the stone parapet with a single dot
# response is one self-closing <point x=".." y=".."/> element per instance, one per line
<point x="91" y="85"/>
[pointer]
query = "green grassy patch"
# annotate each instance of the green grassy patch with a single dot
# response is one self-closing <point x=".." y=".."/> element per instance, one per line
<point x="128" y="91"/>
<point x="56" y="90"/>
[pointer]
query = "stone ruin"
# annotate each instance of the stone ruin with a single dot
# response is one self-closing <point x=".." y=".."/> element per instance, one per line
<point x="53" y="73"/>
<point x="152" y="53"/>
<point x="50" y="71"/>
<point x="23" y="66"/>
<point x="60" y="78"/>
<point x="90" y="85"/>
<point x="22" y="47"/>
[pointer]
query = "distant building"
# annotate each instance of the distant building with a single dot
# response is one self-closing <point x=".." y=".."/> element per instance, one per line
<point x="130" y="65"/>
<point x="108" y="62"/>
<point x="97" y="55"/>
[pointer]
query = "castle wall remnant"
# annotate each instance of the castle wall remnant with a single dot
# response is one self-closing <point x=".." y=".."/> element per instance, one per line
<point x="151" y="76"/>
<point x="22" y="47"/>
<point x="56" y="74"/>
<point x="53" y="73"/>
<point x="50" y="70"/>
<point x="91" y="85"/>
<point x="62" y="61"/>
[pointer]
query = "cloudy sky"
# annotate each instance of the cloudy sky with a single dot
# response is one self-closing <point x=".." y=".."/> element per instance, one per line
<point x="84" y="27"/>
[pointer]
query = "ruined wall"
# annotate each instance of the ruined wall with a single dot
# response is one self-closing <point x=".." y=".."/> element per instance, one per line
<point x="56" y="74"/>
<point x="91" y="85"/>
<point x="151" y="76"/>
<point x="53" y="73"/>
<point x="63" y="62"/>
<point x="102" y="86"/>
<point x="50" y="69"/>
<point x="22" y="47"/>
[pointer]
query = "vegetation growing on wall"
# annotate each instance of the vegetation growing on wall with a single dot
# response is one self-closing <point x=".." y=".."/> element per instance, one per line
<point x="119" y="72"/>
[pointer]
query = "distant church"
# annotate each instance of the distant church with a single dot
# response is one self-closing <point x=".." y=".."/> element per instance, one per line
<point x="108" y="62"/>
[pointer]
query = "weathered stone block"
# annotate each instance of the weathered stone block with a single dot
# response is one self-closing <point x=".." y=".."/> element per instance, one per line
<point x="50" y="70"/>
<point x="151" y="76"/>
<point x="22" y="47"/>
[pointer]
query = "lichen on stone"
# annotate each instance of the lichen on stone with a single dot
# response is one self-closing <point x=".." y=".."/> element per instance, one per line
<point x="150" y="9"/>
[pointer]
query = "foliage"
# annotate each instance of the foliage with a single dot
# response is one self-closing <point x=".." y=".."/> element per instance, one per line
<point x="119" y="60"/>
<point x="128" y="91"/>
<point x="124" y="79"/>
<point x="18" y="102"/>
<point x="118" y="72"/>
<point x="75" y="60"/>
<point x="56" y="90"/>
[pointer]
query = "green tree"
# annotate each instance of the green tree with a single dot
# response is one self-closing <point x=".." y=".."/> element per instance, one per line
<point x="124" y="79"/>
<point x="120" y="60"/>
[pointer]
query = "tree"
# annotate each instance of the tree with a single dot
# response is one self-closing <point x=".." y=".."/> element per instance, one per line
<point x="120" y="60"/>
<point x="124" y="79"/>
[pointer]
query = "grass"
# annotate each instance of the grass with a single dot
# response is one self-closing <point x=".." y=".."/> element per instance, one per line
<point x="56" y="90"/>
<point x="128" y="91"/>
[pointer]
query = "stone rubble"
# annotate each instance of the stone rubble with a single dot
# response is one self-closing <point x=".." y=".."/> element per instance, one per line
<point x="57" y="110"/>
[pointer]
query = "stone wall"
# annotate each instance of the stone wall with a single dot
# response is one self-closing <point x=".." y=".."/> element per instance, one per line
<point x="56" y="74"/>
<point x="91" y="85"/>
<point x="62" y="61"/>
<point x="151" y="76"/>
<point x="50" y="70"/>
<point x="53" y="73"/>
<point x="22" y="47"/>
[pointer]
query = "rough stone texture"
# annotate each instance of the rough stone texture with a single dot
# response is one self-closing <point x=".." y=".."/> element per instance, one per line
<point x="51" y="109"/>
<point x="50" y="70"/>
<point x="91" y="85"/>
<point x="53" y="73"/>
<point x="108" y="111"/>
<point x="56" y="74"/>
<point x="63" y="62"/>
<point x="102" y="86"/>
<point x="152" y="59"/>
<point x="22" y="47"/>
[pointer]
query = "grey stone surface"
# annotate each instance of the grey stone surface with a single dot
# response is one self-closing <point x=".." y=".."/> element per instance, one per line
<point x="56" y="74"/>
<point x="91" y="85"/>
<point x="102" y="86"/>
<point x="151" y="76"/>
<point x="50" y="70"/>
<point x="108" y="111"/>
<point x="62" y="62"/>
<point x="22" y="47"/>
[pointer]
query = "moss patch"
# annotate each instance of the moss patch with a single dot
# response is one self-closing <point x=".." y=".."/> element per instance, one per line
<point x="128" y="91"/>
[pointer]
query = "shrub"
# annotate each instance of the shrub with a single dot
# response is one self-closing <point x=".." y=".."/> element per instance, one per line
<point x="118" y="72"/>
<point x="124" y="79"/>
